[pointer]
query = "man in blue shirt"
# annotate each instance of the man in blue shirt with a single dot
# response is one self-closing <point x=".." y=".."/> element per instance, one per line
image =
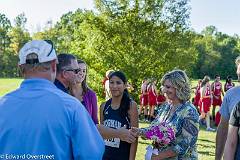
<point x="39" y="121"/>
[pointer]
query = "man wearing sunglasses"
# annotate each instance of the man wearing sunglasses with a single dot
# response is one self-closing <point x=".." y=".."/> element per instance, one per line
<point x="67" y="70"/>
<point x="38" y="121"/>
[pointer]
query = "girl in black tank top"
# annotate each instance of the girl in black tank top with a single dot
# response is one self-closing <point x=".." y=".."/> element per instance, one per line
<point x="117" y="112"/>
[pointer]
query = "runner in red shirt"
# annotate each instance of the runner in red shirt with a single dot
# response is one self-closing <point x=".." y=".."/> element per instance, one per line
<point x="160" y="98"/>
<point x="144" y="99"/>
<point x="216" y="88"/>
<point x="205" y="102"/>
<point x="197" y="94"/>
<point x="229" y="84"/>
<point x="152" y="97"/>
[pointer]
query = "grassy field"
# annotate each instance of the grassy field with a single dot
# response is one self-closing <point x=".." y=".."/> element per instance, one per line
<point x="206" y="140"/>
<point x="7" y="85"/>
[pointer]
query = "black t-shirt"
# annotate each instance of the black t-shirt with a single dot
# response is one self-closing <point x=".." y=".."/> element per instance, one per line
<point x="235" y="121"/>
<point x="115" y="149"/>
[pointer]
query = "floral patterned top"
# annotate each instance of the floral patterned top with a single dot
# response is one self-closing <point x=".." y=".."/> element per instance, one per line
<point x="186" y="124"/>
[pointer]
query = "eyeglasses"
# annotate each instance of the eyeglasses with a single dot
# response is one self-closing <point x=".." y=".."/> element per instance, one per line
<point x="74" y="70"/>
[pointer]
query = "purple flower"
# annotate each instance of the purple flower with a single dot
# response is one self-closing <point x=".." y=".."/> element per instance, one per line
<point x="162" y="133"/>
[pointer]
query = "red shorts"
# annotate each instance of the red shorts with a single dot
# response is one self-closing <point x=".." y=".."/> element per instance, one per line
<point x="144" y="100"/>
<point x="217" y="102"/>
<point x="205" y="104"/>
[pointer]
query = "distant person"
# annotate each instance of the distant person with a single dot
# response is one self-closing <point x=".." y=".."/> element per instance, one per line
<point x="67" y="76"/>
<point x="231" y="98"/>
<point x="217" y="91"/>
<point x="205" y="102"/>
<point x="47" y="123"/>
<point x="118" y="111"/>
<point x="86" y="95"/>
<point x="106" y="85"/>
<point x="197" y="94"/>
<point x="152" y="99"/>
<point x="161" y="99"/>
<point x="228" y="84"/>
<point x="143" y="97"/>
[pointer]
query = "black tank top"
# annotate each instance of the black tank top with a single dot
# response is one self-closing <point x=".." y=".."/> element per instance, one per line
<point x="115" y="149"/>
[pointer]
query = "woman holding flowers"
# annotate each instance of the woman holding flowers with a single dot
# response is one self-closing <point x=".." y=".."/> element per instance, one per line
<point x="175" y="130"/>
<point x="117" y="112"/>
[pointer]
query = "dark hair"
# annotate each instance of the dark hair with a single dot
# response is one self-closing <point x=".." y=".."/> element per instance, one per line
<point x="125" y="101"/>
<point x="64" y="60"/>
<point x="84" y="82"/>
<point x="217" y="75"/>
<point x="228" y="78"/>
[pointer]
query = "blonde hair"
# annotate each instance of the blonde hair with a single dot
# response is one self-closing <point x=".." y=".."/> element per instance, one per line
<point x="205" y="80"/>
<point x="180" y="82"/>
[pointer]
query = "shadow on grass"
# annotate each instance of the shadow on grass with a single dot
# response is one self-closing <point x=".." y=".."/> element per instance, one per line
<point x="205" y="145"/>
<point x="206" y="153"/>
<point x="144" y="142"/>
<point x="205" y="140"/>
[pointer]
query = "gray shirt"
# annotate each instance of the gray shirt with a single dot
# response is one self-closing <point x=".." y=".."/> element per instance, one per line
<point x="231" y="98"/>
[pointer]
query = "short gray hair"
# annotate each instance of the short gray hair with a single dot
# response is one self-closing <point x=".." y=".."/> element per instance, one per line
<point x="180" y="82"/>
<point x="42" y="67"/>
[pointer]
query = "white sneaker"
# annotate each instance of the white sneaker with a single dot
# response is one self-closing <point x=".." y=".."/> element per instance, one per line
<point x="210" y="129"/>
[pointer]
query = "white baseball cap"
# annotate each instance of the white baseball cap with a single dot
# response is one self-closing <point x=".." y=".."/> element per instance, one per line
<point x="43" y="48"/>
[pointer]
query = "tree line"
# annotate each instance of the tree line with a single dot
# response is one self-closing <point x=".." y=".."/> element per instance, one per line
<point x="143" y="38"/>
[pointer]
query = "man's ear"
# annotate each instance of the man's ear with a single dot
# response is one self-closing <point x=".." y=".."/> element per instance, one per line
<point x="54" y="65"/>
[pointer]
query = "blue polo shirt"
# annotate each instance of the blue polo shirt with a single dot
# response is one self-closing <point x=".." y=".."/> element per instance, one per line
<point x="39" y="121"/>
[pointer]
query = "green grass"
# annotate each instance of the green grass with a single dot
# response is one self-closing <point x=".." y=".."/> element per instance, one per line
<point x="206" y="140"/>
<point x="7" y="85"/>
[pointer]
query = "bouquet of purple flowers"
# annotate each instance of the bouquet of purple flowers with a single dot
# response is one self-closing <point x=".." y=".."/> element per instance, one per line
<point x="162" y="134"/>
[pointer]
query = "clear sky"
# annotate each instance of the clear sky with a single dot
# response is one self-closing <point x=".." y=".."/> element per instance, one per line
<point x="224" y="14"/>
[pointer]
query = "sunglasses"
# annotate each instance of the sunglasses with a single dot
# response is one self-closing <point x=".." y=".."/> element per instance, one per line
<point x="74" y="70"/>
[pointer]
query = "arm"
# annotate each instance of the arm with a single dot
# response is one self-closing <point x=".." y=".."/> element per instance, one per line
<point x="221" y="137"/>
<point x="231" y="144"/>
<point x="155" y="90"/>
<point x="133" y="114"/>
<point x="222" y="90"/>
<point x="84" y="135"/>
<point x="212" y="91"/>
<point x="222" y="130"/>
<point x="225" y="87"/>
<point x="232" y="138"/>
<point x="122" y="133"/>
